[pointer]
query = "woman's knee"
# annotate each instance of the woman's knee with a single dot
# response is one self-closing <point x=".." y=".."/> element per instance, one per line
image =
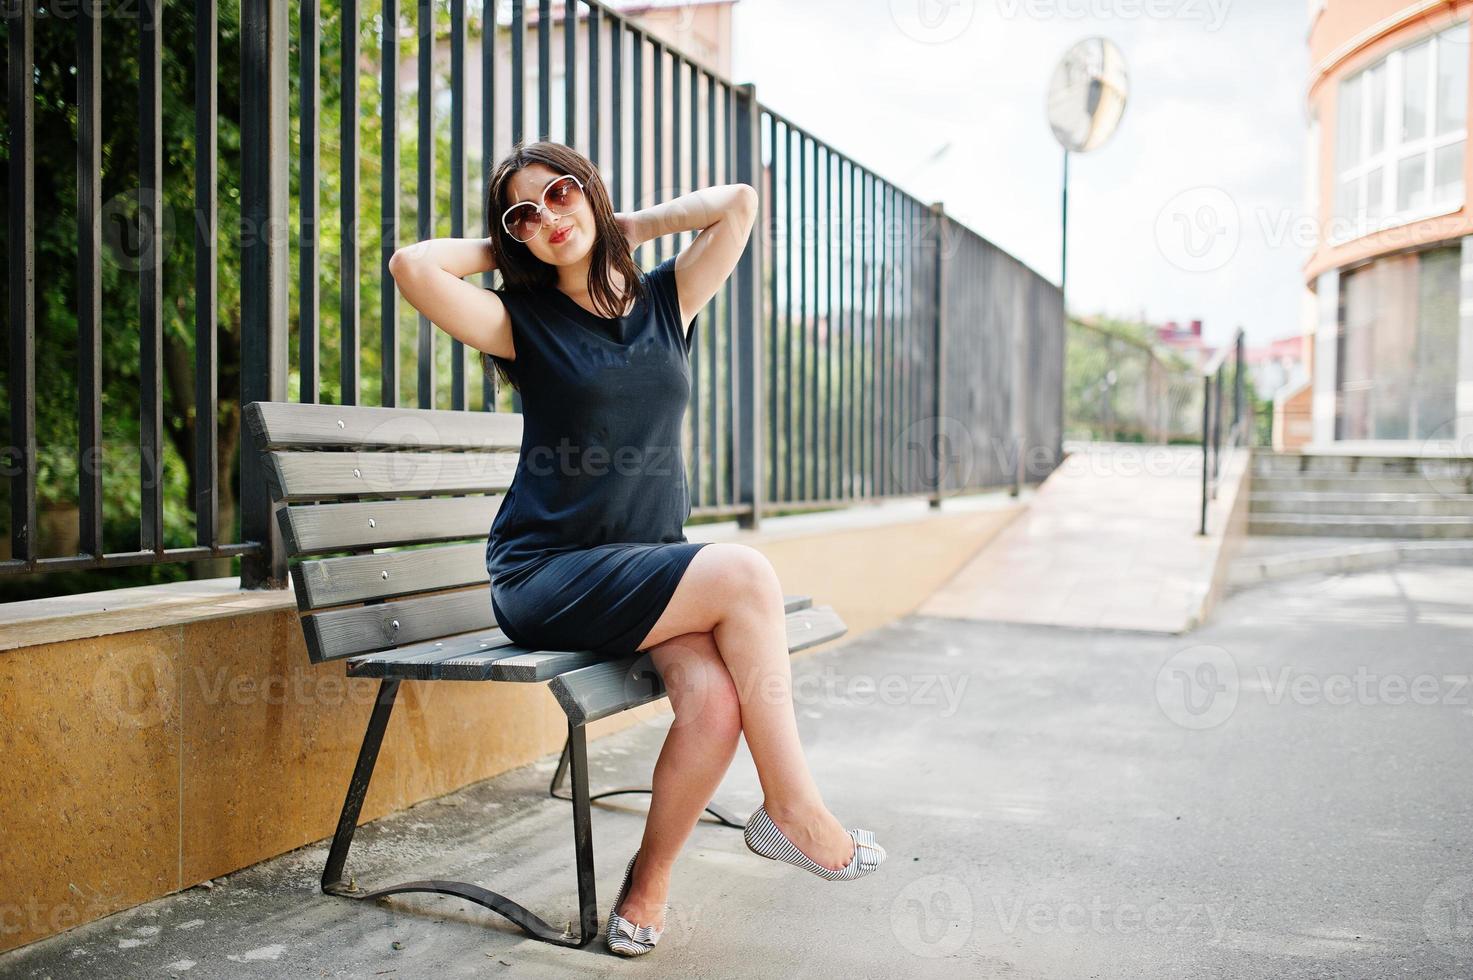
<point x="744" y="573"/>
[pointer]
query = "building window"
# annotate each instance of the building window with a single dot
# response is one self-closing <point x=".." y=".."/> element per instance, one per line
<point x="1397" y="360"/>
<point x="1401" y="128"/>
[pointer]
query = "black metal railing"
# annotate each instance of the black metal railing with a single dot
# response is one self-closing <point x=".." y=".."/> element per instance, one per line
<point x="1215" y="407"/>
<point x="867" y="345"/>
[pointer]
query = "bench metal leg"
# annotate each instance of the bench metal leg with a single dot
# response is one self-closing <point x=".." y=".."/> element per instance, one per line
<point x="527" y="921"/>
<point x="722" y="815"/>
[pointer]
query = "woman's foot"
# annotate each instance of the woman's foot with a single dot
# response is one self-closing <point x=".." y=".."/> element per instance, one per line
<point x="816" y="832"/>
<point x="644" y="903"/>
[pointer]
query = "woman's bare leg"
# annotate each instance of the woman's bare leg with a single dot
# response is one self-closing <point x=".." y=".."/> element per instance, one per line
<point x="731" y="591"/>
<point x="698" y="750"/>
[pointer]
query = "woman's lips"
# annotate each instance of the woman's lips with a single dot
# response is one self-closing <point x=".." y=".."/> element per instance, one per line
<point x="557" y="238"/>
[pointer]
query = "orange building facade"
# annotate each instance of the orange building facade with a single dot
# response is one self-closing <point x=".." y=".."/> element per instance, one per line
<point x="1391" y="275"/>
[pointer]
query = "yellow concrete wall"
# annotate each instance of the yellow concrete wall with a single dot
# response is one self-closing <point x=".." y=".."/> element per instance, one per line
<point x="143" y="762"/>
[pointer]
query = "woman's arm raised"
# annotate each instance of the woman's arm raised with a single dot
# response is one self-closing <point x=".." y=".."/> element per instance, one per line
<point x="723" y="215"/>
<point x="430" y="274"/>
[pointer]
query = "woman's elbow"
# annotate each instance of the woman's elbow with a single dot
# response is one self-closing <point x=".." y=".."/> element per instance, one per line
<point x="402" y="261"/>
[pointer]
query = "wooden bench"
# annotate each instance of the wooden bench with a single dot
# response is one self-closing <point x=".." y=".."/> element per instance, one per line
<point x="384" y="513"/>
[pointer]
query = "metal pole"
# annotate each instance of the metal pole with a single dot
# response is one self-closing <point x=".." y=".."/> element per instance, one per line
<point x="265" y="153"/>
<point x="749" y="316"/>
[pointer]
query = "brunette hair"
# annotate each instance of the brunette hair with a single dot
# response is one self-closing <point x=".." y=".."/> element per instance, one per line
<point x="520" y="269"/>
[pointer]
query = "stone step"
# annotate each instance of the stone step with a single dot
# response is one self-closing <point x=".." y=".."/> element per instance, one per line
<point x="1361" y="526"/>
<point x="1360" y="483"/>
<point x="1337" y="502"/>
<point x="1341" y="558"/>
<point x="1441" y="467"/>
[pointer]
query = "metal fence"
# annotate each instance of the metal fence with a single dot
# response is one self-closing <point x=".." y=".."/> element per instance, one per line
<point x="866" y="346"/>
<point x="1122" y="389"/>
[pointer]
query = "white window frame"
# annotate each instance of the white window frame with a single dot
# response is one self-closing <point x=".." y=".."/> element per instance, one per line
<point x="1347" y="227"/>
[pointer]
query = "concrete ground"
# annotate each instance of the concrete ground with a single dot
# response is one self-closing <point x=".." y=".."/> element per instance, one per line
<point x="1287" y="792"/>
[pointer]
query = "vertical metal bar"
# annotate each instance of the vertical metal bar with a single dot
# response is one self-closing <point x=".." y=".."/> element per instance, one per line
<point x="457" y="176"/>
<point x="544" y="69"/>
<point x="570" y="72"/>
<point x="786" y="357"/>
<point x="774" y="349"/>
<point x="747" y="329"/>
<point x="616" y="108"/>
<point x="846" y="268"/>
<point x="698" y="411"/>
<point x="658" y="193"/>
<point x="490" y="40"/>
<point x="389" y="204"/>
<point x="940" y="451"/>
<point x="309" y="265"/>
<point x="728" y="323"/>
<point x="636" y="133"/>
<point x="801" y="450"/>
<point x="350" y="342"/>
<point x="595" y="42"/>
<point x="264" y="148"/>
<point x="1206" y="465"/>
<point x="151" y="277"/>
<point x="20" y="85"/>
<point x="206" y="285"/>
<point x="89" y="272"/>
<point x="831" y="324"/>
<point x="518" y="70"/>
<point x="425" y="164"/>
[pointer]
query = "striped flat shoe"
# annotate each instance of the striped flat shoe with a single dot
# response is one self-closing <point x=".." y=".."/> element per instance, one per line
<point x="626" y="938"/>
<point x="764" y="838"/>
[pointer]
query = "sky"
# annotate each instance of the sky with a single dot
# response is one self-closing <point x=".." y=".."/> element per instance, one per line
<point x="1194" y="209"/>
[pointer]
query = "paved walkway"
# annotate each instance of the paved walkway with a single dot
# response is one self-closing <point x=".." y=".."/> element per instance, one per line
<point x="1284" y="793"/>
<point x="1109" y="541"/>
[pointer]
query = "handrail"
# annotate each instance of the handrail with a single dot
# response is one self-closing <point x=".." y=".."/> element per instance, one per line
<point x="1213" y="442"/>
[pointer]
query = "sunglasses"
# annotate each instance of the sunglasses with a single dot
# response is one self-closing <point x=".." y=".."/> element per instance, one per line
<point x="524" y="219"/>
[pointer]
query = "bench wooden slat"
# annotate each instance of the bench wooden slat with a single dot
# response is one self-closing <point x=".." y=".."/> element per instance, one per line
<point x="604" y="689"/>
<point x="513" y="663"/>
<point x="302" y="476"/>
<point x="277" y="424"/>
<point x="322" y="582"/>
<point x="362" y="629"/>
<point x="315" y="528"/>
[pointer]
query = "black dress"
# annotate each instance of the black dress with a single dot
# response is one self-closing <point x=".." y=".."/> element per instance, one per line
<point x="588" y="544"/>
